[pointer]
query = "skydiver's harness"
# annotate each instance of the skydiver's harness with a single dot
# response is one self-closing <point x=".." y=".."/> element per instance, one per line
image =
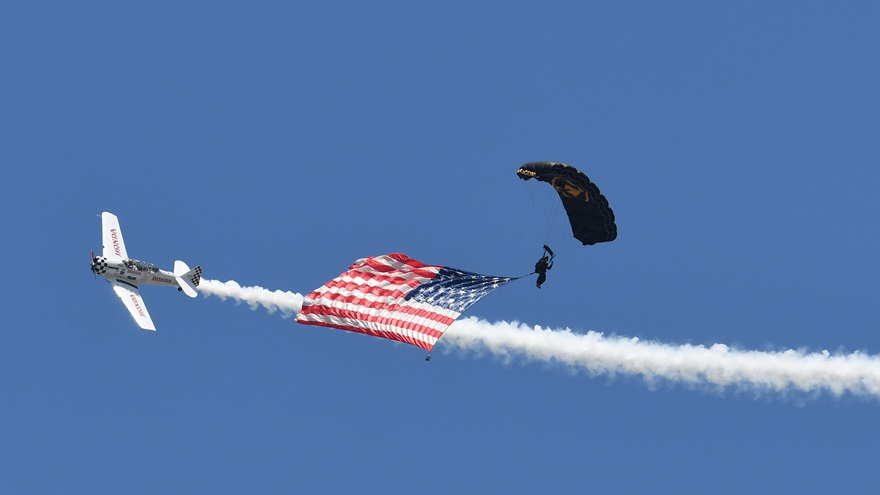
<point x="549" y="264"/>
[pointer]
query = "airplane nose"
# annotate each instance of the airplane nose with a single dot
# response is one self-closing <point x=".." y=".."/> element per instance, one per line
<point x="99" y="265"/>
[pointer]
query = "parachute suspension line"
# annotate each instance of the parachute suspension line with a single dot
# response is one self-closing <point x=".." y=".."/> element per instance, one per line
<point x="548" y="213"/>
<point x="558" y="222"/>
<point x="556" y="226"/>
<point x="536" y="210"/>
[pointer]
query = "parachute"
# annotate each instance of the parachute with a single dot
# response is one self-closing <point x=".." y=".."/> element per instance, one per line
<point x="591" y="219"/>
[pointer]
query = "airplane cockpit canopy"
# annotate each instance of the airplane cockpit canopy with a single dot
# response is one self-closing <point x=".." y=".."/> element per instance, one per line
<point x="141" y="266"/>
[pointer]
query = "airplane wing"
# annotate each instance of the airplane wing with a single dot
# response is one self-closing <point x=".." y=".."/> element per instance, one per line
<point x="113" y="245"/>
<point x="132" y="299"/>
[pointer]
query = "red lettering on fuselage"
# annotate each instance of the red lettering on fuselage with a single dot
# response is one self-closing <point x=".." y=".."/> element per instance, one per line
<point x="160" y="279"/>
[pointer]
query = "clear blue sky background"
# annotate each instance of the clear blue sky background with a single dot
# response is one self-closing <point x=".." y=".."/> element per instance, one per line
<point x="276" y="142"/>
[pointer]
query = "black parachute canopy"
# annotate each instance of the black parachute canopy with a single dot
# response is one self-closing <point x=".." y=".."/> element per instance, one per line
<point x="592" y="220"/>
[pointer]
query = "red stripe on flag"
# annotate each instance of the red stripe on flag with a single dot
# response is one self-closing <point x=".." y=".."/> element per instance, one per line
<point x="389" y="320"/>
<point x="355" y="287"/>
<point x="392" y="274"/>
<point x="351" y="281"/>
<point x="375" y="333"/>
<point x="378" y="264"/>
<point x="395" y="308"/>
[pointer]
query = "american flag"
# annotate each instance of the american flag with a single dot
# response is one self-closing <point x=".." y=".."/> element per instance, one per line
<point x="396" y="297"/>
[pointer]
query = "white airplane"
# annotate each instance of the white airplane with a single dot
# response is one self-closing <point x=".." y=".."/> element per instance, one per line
<point x="127" y="274"/>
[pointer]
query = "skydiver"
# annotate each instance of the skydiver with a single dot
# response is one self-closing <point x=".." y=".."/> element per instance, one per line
<point x="544" y="264"/>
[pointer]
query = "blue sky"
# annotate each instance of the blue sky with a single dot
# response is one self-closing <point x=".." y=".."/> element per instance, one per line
<point x="274" y="143"/>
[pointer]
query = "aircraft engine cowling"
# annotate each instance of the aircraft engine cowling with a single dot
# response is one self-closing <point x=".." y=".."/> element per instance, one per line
<point x="99" y="265"/>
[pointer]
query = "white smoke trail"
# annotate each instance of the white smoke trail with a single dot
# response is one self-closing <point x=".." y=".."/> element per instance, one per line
<point x="289" y="303"/>
<point x="716" y="366"/>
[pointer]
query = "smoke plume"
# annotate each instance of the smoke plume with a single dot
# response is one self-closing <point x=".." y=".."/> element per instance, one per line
<point x="717" y="366"/>
<point x="289" y="303"/>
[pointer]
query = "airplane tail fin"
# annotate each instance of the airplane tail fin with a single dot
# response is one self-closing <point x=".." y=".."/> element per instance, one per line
<point x="186" y="278"/>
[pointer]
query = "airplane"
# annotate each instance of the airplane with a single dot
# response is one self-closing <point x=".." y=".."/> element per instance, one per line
<point x="125" y="274"/>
